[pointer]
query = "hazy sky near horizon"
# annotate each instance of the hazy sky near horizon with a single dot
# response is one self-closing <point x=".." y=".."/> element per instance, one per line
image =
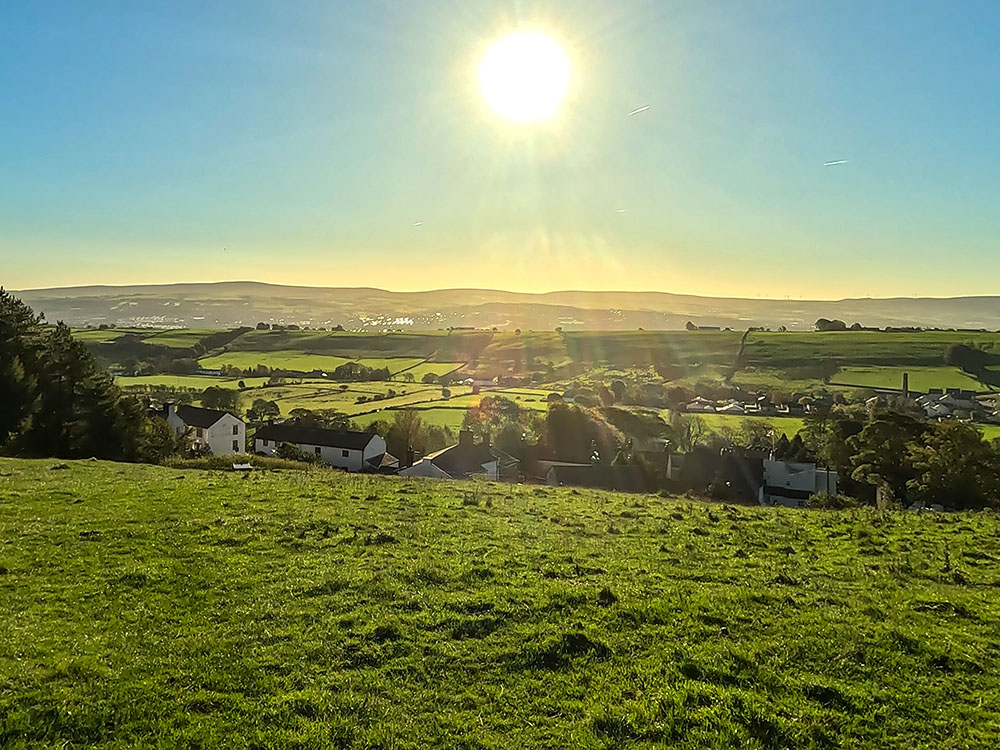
<point x="348" y="144"/>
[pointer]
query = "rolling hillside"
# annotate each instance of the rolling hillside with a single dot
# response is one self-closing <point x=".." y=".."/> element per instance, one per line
<point x="143" y="606"/>
<point x="232" y="304"/>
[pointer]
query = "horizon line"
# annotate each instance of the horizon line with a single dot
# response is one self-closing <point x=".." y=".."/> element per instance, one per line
<point x="503" y="291"/>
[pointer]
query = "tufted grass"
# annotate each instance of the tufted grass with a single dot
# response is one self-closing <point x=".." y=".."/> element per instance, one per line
<point x="152" y="607"/>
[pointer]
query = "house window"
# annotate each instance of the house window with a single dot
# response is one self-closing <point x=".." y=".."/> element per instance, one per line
<point x="200" y="432"/>
<point x="345" y="454"/>
<point x="236" y="429"/>
<point x="265" y="443"/>
<point x="236" y="446"/>
<point x="318" y="449"/>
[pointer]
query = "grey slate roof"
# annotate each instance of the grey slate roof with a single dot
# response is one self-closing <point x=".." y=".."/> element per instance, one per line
<point x="195" y="416"/>
<point x="346" y="439"/>
<point x="462" y="459"/>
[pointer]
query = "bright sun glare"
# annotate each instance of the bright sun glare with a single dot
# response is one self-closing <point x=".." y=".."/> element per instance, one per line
<point x="524" y="77"/>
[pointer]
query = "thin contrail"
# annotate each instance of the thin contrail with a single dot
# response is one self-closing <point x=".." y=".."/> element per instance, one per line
<point x="835" y="163"/>
<point x="637" y="111"/>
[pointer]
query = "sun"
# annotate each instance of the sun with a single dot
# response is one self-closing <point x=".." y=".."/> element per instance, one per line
<point x="524" y="77"/>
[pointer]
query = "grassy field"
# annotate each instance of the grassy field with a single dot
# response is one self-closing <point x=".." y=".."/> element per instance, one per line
<point x="97" y="336"/>
<point x="307" y="362"/>
<point x="434" y="368"/>
<point x="921" y="378"/>
<point x="281" y="360"/>
<point x="789" y="426"/>
<point x="166" y="608"/>
<point x="439" y="416"/>
<point x="178" y="339"/>
<point x="859" y="348"/>
<point x="535" y="400"/>
<point x="990" y="431"/>
<point x="329" y="395"/>
<point x="754" y="379"/>
<point x="395" y="364"/>
<point x="617" y="349"/>
<point x="348" y="345"/>
<point x="201" y="382"/>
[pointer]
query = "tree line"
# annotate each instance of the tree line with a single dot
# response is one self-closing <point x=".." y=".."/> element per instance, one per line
<point x="55" y="400"/>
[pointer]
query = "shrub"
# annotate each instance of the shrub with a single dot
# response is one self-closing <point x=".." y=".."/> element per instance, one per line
<point x="827" y="501"/>
<point x="225" y="463"/>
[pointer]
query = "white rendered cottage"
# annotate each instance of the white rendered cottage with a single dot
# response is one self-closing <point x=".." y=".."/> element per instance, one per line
<point x="218" y="432"/>
<point x="345" y="449"/>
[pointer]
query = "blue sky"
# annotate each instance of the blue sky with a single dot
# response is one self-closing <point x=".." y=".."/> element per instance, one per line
<point x="304" y="142"/>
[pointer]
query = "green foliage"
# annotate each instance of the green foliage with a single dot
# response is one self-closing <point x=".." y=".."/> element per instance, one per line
<point x="571" y="433"/>
<point x="689" y="431"/>
<point x="56" y="401"/>
<point x="881" y="451"/>
<point x="290" y="452"/>
<point x="22" y="345"/>
<point x="159" y="442"/>
<point x="408" y="430"/>
<point x="225" y="463"/>
<point x="827" y="501"/>
<point x="152" y="607"/>
<point x="262" y="410"/>
<point x="954" y="467"/>
<point x="358" y="371"/>
<point x="223" y="399"/>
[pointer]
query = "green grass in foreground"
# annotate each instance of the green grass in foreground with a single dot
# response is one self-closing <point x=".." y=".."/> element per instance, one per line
<point x="177" y="608"/>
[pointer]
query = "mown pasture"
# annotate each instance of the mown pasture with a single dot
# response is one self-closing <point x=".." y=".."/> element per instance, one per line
<point x="279" y="360"/>
<point x="921" y="379"/>
<point x="154" y="607"/>
<point x="200" y="382"/>
<point x="859" y="348"/>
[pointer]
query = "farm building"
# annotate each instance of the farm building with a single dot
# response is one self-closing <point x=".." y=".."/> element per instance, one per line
<point x="217" y="432"/>
<point x="344" y="449"/>
<point x="463" y="460"/>
<point x="791" y="483"/>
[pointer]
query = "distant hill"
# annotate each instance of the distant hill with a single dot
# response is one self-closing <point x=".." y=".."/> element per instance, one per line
<point x="227" y="304"/>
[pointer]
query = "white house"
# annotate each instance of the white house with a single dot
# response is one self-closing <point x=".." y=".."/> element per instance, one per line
<point x="345" y="449"/>
<point x="791" y="483"/>
<point x="218" y="432"/>
<point x="460" y="461"/>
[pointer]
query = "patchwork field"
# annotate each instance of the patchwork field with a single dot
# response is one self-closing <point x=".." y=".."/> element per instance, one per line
<point x="858" y="348"/>
<point x="283" y="360"/>
<point x="536" y="400"/>
<point x="179" y="339"/>
<point x="200" y="382"/>
<point x="788" y="426"/>
<point x="97" y="336"/>
<point x="437" y="416"/>
<point x="921" y="378"/>
<point x="145" y="607"/>
<point x="418" y="371"/>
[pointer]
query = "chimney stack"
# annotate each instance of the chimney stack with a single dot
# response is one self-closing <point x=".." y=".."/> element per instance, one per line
<point x="465" y="437"/>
